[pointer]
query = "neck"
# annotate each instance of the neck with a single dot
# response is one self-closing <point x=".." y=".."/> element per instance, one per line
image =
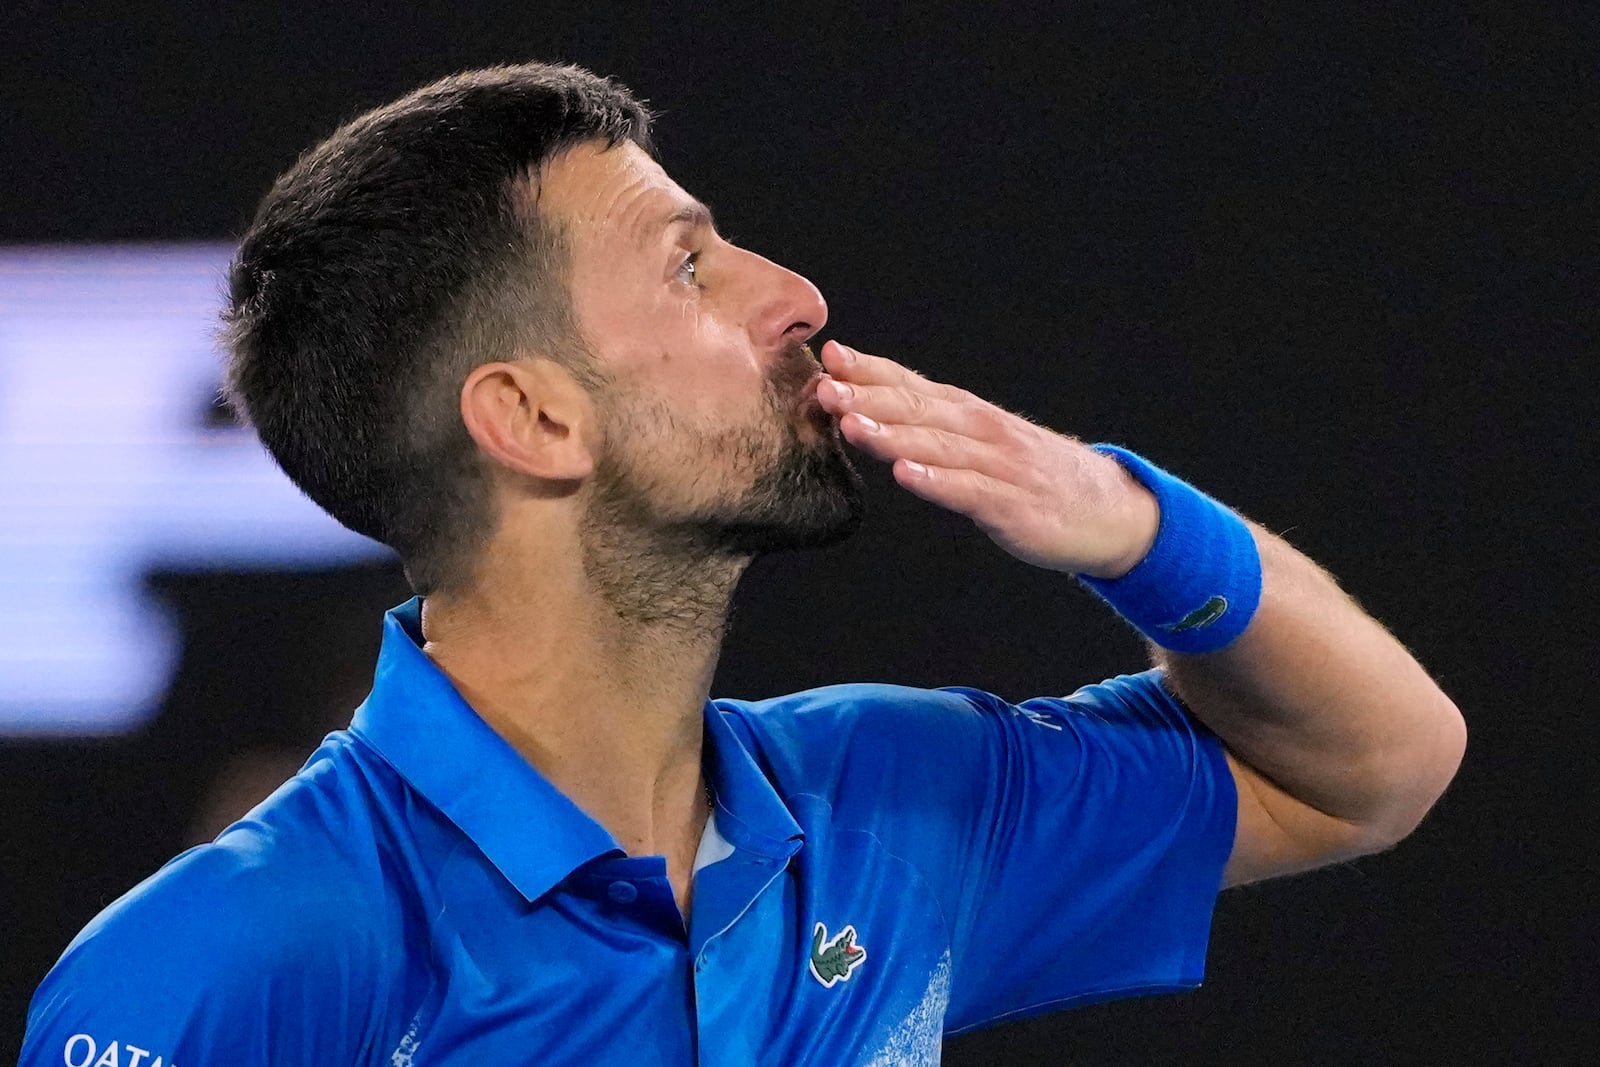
<point x="600" y="687"/>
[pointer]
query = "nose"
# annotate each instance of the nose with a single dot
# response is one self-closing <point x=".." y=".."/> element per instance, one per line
<point x="788" y="309"/>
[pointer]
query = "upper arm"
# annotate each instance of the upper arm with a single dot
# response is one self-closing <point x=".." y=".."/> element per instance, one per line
<point x="1124" y="807"/>
<point x="1277" y="834"/>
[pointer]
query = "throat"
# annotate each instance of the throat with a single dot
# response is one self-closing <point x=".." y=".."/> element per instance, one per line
<point x="662" y="591"/>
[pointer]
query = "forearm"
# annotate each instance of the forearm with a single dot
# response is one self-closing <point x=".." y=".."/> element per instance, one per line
<point x="1317" y="697"/>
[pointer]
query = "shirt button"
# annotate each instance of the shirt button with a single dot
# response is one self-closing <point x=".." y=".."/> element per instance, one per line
<point x="622" y="892"/>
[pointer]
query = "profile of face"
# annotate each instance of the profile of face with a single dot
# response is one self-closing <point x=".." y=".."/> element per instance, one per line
<point x="714" y="443"/>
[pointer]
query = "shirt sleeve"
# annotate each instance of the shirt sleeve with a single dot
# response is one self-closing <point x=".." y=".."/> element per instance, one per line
<point x="210" y="961"/>
<point x="1092" y="851"/>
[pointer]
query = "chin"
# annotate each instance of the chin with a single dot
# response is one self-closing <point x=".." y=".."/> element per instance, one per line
<point x="812" y="498"/>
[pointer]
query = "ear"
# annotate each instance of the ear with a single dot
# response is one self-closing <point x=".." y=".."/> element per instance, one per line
<point x="529" y="416"/>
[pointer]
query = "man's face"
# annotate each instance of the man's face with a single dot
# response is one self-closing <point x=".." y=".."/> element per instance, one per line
<point x="713" y="437"/>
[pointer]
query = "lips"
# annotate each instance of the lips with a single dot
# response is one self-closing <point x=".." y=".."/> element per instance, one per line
<point x="810" y="410"/>
<point x="810" y="405"/>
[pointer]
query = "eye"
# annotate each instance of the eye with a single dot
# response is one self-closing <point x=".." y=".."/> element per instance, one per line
<point x="688" y="269"/>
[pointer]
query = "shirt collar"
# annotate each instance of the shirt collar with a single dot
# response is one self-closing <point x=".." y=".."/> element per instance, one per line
<point x="417" y="721"/>
<point x="750" y="814"/>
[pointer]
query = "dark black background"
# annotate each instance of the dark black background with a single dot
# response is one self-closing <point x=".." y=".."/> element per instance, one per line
<point x="1336" y="269"/>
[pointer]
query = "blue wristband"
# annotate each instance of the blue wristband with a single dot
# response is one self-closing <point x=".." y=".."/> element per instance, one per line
<point x="1200" y="584"/>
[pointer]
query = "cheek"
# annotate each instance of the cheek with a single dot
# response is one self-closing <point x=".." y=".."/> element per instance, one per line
<point x="683" y="460"/>
<point x="712" y="374"/>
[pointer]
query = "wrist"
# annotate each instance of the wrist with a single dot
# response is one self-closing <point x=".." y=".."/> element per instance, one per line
<point x="1136" y="518"/>
<point x="1199" y="585"/>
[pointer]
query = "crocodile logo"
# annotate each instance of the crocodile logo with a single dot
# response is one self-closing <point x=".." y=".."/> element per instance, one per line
<point x="1200" y="617"/>
<point x="835" y="959"/>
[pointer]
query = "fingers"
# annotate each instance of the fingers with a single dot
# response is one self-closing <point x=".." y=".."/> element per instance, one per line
<point x="977" y="496"/>
<point x="893" y="413"/>
<point x="888" y="442"/>
<point x="885" y="392"/>
<point x="942" y="443"/>
<point x="849" y="365"/>
<point x="895" y="405"/>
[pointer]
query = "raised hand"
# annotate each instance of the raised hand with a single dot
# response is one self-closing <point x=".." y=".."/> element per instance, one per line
<point x="1045" y="497"/>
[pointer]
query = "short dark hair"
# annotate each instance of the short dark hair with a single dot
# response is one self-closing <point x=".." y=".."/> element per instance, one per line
<point x="389" y="261"/>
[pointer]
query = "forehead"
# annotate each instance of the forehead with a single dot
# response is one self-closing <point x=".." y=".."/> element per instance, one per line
<point x="612" y="194"/>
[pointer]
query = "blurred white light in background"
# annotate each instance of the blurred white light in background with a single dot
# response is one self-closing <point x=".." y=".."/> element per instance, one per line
<point x="110" y="467"/>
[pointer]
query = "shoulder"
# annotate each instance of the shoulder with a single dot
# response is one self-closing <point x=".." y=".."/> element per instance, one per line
<point x="285" y="911"/>
<point x="304" y="866"/>
<point x="839" y="714"/>
<point x="236" y="904"/>
<point x="872" y="732"/>
<point x="867" y="750"/>
<point x="836" y="716"/>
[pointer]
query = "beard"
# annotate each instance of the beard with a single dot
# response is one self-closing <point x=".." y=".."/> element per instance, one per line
<point x="807" y="495"/>
<point x="663" y="535"/>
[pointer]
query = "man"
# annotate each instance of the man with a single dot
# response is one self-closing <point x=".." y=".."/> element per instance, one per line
<point x="483" y="326"/>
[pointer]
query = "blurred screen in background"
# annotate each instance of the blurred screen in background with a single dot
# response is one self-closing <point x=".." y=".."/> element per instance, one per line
<point x="118" y="459"/>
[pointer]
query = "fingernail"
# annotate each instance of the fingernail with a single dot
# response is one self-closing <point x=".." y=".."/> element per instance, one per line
<point x="916" y="468"/>
<point x="841" y="390"/>
<point x="871" y="424"/>
<point x="846" y="354"/>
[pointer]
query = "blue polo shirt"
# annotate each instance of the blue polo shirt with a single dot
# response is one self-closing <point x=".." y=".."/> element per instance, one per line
<point x="885" y="866"/>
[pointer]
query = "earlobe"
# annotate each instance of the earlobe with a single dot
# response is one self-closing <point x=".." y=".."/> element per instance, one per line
<point x="527" y="416"/>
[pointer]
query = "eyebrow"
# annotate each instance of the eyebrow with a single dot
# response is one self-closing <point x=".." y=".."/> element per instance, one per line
<point x="694" y="214"/>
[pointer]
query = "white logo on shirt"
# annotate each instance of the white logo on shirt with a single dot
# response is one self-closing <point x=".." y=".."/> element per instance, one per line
<point x="402" y="1056"/>
<point x="83" y="1051"/>
<point x="1038" y="718"/>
